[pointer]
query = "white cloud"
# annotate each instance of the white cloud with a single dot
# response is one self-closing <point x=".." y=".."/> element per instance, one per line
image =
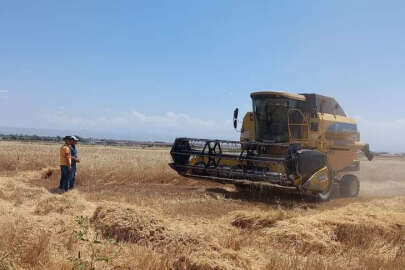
<point x="164" y="126"/>
<point x="171" y="119"/>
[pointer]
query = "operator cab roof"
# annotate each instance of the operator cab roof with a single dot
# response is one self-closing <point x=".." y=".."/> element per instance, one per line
<point x="324" y="104"/>
<point x="312" y="102"/>
<point x="278" y="94"/>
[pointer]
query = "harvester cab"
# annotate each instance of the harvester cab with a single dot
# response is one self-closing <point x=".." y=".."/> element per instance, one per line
<point x="304" y="143"/>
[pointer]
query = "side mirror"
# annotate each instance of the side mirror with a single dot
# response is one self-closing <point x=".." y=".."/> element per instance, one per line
<point x="368" y="153"/>
<point x="235" y="118"/>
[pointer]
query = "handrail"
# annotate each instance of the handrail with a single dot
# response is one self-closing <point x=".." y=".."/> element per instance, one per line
<point x="303" y="124"/>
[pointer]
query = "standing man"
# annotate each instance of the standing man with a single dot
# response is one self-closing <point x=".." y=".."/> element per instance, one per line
<point x="75" y="159"/>
<point x="65" y="164"/>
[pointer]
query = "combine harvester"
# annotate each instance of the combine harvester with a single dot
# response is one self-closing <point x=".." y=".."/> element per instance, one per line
<point x="304" y="143"/>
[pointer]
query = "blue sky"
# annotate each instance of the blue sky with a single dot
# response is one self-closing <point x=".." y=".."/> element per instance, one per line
<point x="160" y="69"/>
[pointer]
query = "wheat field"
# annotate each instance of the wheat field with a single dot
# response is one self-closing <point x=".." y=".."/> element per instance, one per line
<point x="131" y="211"/>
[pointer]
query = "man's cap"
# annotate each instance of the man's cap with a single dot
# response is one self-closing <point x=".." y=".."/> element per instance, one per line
<point x="74" y="138"/>
<point x="67" y="138"/>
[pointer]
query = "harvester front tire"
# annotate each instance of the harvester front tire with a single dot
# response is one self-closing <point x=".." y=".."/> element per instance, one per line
<point x="326" y="195"/>
<point x="349" y="186"/>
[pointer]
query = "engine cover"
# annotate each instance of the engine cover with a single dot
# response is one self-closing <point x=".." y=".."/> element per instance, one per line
<point x="309" y="161"/>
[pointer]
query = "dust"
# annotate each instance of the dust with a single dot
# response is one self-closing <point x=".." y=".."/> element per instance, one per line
<point x="382" y="177"/>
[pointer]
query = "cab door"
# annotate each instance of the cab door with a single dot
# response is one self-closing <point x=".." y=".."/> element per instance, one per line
<point x="297" y="126"/>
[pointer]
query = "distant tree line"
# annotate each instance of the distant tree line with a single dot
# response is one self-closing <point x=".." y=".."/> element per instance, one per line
<point x="22" y="137"/>
<point x="83" y="140"/>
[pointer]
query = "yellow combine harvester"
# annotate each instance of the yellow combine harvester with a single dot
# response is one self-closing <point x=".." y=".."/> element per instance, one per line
<point x="304" y="143"/>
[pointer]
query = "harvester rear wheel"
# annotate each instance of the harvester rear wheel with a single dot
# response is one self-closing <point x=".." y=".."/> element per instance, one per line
<point x="349" y="186"/>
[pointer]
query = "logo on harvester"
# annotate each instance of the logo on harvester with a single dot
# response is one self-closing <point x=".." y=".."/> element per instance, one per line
<point x="322" y="178"/>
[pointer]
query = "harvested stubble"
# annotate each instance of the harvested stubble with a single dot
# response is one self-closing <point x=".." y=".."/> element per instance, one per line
<point x="23" y="245"/>
<point x="60" y="205"/>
